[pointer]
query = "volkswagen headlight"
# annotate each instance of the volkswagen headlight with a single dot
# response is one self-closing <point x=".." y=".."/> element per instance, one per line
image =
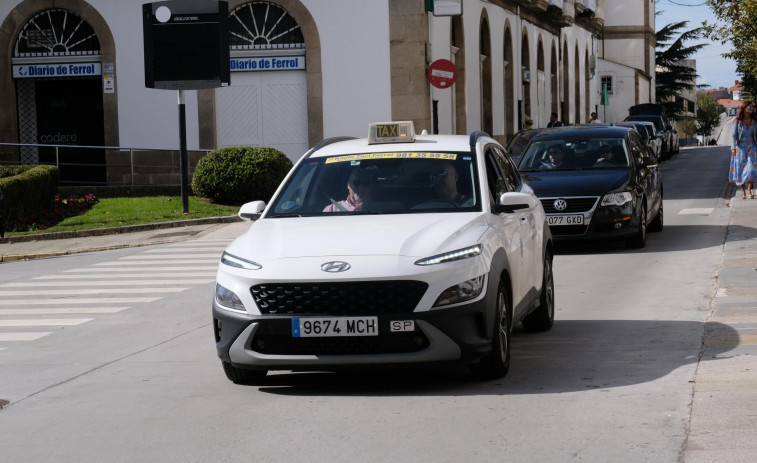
<point x="617" y="199"/>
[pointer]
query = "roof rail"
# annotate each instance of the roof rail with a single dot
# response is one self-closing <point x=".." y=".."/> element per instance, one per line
<point x="474" y="136"/>
<point x="328" y="141"/>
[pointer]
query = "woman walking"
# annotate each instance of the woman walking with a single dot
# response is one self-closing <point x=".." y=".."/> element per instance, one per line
<point x="744" y="149"/>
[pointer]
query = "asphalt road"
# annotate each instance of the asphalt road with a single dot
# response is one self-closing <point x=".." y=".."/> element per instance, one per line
<point x="127" y="369"/>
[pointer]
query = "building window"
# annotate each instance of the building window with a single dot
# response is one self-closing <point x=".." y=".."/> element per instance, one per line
<point x="263" y="26"/>
<point x="56" y="32"/>
<point x="607" y="80"/>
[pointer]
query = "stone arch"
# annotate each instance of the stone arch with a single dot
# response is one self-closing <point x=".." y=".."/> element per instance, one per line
<point x="12" y="27"/>
<point x="577" y="77"/>
<point x="540" y="112"/>
<point x="553" y="81"/>
<point x="565" y="100"/>
<point x="587" y="84"/>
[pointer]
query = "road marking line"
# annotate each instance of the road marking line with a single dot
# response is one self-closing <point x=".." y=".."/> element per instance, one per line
<point x="150" y="262"/>
<point x="68" y="284"/>
<point x="63" y="311"/>
<point x="696" y="211"/>
<point x="7" y="337"/>
<point x="98" y="300"/>
<point x="77" y="292"/>
<point x="46" y="322"/>
<point x="172" y="257"/>
<point x="139" y="276"/>
<point x="147" y="270"/>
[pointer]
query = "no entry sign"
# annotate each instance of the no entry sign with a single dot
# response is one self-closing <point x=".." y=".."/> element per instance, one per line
<point x="442" y="73"/>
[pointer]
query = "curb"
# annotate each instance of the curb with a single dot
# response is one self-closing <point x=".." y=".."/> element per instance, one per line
<point x="119" y="230"/>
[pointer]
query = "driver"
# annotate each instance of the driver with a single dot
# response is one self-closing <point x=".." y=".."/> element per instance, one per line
<point x="445" y="185"/>
<point x="555" y="158"/>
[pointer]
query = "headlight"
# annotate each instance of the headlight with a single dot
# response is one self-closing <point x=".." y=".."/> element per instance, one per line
<point x="465" y="253"/>
<point x="617" y="199"/>
<point x="462" y="292"/>
<point x="226" y="298"/>
<point x="234" y="261"/>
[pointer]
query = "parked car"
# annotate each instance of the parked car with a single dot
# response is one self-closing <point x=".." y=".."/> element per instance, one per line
<point x="437" y="252"/>
<point x="591" y="197"/>
<point x="663" y="132"/>
<point x="647" y="133"/>
<point x="519" y="141"/>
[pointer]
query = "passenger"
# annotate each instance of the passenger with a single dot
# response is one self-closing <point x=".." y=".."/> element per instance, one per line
<point x="359" y="188"/>
<point x="445" y="184"/>
<point x="605" y="155"/>
<point x="555" y="158"/>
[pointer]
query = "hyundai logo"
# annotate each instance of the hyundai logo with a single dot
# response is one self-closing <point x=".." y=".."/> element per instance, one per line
<point x="560" y="204"/>
<point x="335" y="266"/>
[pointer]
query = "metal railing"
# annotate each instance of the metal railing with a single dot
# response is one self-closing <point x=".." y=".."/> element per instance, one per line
<point x="108" y="165"/>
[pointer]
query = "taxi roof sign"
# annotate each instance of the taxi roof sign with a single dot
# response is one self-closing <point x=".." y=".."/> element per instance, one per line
<point x="391" y="132"/>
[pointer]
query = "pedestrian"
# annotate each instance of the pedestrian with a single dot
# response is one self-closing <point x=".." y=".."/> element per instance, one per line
<point x="743" y="169"/>
<point x="594" y="119"/>
<point x="553" y="122"/>
<point x="528" y="123"/>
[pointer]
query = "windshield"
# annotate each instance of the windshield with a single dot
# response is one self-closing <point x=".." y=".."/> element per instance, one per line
<point x="571" y="154"/>
<point x="380" y="183"/>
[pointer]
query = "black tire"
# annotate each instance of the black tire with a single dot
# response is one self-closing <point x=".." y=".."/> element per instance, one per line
<point x="640" y="240"/>
<point x="543" y="317"/>
<point x="242" y="376"/>
<point x="658" y="222"/>
<point x="496" y="363"/>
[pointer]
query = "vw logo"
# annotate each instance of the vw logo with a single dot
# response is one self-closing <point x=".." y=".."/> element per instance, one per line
<point x="335" y="266"/>
<point x="560" y="204"/>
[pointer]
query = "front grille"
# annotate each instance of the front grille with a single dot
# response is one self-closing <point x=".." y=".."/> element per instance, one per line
<point x="339" y="298"/>
<point x="575" y="204"/>
<point x="569" y="230"/>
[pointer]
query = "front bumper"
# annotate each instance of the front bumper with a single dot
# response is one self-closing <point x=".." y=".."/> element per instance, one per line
<point x="265" y="342"/>
<point x="602" y="223"/>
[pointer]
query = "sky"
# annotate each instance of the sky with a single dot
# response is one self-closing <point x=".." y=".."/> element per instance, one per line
<point x="713" y="69"/>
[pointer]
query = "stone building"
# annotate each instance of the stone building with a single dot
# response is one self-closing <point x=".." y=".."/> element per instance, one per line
<point x="72" y="73"/>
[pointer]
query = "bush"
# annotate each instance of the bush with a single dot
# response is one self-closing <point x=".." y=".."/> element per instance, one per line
<point x="239" y="174"/>
<point x="27" y="190"/>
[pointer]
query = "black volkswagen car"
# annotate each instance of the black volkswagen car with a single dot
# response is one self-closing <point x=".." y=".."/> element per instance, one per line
<point x="595" y="182"/>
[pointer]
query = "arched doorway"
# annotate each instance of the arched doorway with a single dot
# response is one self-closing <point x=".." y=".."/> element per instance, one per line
<point x="509" y="83"/>
<point x="457" y="46"/>
<point x="541" y="87"/>
<point x="577" y="95"/>
<point x="525" y="60"/>
<point x="587" y="86"/>
<point x="565" y="97"/>
<point x="56" y="88"/>
<point x="553" y="86"/>
<point x="264" y="107"/>
<point x="486" y="78"/>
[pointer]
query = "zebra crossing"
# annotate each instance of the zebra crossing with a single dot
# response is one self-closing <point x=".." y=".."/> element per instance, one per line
<point x="36" y="308"/>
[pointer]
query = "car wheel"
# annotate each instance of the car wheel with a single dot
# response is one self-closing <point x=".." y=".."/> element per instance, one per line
<point x="543" y="317"/>
<point x="242" y="376"/>
<point x="658" y="222"/>
<point x="495" y="364"/>
<point x="640" y="240"/>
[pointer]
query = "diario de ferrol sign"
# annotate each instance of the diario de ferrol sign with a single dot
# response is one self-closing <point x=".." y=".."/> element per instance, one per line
<point x="267" y="63"/>
<point x="25" y="71"/>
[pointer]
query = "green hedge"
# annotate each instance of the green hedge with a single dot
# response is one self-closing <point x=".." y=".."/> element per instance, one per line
<point x="26" y="189"/>
<point x="236" y="175"/>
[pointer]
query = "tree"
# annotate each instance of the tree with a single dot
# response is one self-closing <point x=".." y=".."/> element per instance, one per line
<point x="671" y="75"/>
<point x="708" y="114"/>
<point x="738" y="26"/>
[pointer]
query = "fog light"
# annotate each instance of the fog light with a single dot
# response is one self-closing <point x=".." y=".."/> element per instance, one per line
<point x="618" y="226"/>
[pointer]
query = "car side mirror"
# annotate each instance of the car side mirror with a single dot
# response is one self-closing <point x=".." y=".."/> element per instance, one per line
<point x="513" y="201"/>
<point x="252" y="210"/>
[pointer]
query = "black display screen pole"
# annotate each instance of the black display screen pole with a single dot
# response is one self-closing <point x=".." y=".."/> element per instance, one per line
<point x="183" y="154"/>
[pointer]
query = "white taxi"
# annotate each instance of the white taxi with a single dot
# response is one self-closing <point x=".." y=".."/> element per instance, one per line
<point x="390" y="250"/>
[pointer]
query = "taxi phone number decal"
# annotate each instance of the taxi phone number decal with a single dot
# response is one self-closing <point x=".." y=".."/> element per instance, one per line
<point x="407" y="155"/>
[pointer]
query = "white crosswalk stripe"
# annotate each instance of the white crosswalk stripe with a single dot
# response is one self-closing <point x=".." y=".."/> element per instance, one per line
<point x="103" y="288"/>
